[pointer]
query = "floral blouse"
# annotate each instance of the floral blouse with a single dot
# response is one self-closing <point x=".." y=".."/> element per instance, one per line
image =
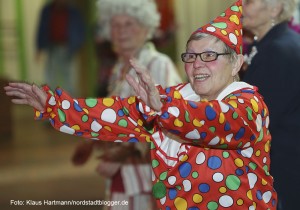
<point x="205" y="154"/>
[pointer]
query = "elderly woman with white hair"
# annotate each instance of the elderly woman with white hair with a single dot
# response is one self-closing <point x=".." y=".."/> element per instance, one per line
<point x="273" y="66"/>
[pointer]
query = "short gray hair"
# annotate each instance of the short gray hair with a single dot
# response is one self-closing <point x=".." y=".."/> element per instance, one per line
<point x="288" y="8"/>
<point x="226" y="49"/>
<point x="144" y="11"/>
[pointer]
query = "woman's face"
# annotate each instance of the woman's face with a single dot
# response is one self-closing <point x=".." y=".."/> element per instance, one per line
<point x="257" y="16"/>
<point x="127" y="34"/>
<point x="208" y="79"/>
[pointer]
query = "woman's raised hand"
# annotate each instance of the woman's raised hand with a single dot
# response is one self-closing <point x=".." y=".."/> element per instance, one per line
<point x="27" y="94"/>
<point x="145" y="86"/>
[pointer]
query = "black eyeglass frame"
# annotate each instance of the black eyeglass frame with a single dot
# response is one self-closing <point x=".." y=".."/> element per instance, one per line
<point x="200" y="55"/>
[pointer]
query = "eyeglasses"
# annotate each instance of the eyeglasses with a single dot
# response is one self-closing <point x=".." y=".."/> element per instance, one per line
<point x="204" y="56"/>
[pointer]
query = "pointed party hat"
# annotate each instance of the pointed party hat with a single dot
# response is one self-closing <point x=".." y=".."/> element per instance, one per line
<point x="227" y="27"/>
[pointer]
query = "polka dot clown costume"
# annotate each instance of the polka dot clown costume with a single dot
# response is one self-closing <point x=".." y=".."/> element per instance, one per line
<point x="205" y="154"/>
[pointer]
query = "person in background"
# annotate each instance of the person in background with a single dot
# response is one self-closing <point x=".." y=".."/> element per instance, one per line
<point x="210" y="142"/>
<point x="129" y="26"/>
<point x="273" y="67"/>
<point x="60" y="35"/>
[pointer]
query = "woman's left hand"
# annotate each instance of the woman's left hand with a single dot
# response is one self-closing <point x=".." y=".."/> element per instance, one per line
<point x="145" y="87"/>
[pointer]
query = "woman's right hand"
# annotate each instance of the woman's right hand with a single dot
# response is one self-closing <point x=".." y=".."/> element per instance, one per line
<point x="27" y="94"/>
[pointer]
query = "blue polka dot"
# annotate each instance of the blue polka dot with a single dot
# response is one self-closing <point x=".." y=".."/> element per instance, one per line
<point x="169" y="99"/>
<point x="240" y="134"/>
<point x="239" y="172"/>
<point x="193" y="208"/>
<point x="204" y="188"/>
<point x="192" y="104"/>
<point x="77" y="107"/>
<point x="185" y="169"/>
<point x="120" y="113"/>
<point x="58" y="92"/>
<point x="259" y="195"/>
<point x="227" y="126"/>
<point x="210" y="113"/>
<point x="168" y="90"/>
<point x="133" y="140"/>
<point x="172" y="194"/>
<point x="165" y="115"/>
<point x="203" y="135"/>
<point x="214" y="162"/>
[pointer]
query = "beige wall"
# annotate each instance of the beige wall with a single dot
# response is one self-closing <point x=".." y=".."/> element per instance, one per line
<point x="191" y="14"/>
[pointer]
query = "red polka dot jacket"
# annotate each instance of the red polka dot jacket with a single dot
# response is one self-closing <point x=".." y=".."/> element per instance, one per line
<point x="205" y="154"/>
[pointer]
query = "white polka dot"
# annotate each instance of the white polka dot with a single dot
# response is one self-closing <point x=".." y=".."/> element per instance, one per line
<point x="187" y="185"/>
<point x="226" y="201"/>
<point x="252" y="180"/>
<point x="265" y="159"/>
<point x="172" y="180"/>
<point x="267" y="196"/>
<point x="52" y="101"/>
<point x="233" y="38"/>
<point x="247" y="152"/>
<point x="214" y="141"/>
<point x="109" y="115"/>
<point x="65" y="104"/>
<point x="258" y="123"/>
<point x="229" y="137"/>
<point x="95" y="126"/>
<point x="162" y="200"/>
<point x="218" y="177"/>
<point x="193" y="134"/>
<point x="200" y="158"/>
<point x="66" y="129"/>
<point x="267" y="121"/>
<point x="211" y="29"/>
<point x="174" y="111"/>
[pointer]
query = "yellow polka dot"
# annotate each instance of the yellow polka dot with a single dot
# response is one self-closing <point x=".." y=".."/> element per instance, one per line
<point x="197" y="198"/>
<point x="52" y="115"/>
<point x="254" y="105"/>
<point x="177" y="95"/>
<point x="178" y="123"/>
<point x="137" y="130"/>
<point x="235" y="19"/>
<point x="37" y="113"/>
<point x="222" y="190"/>
<point x="108" y="102"/>
<point x="239" y="162"/>
<point x="49" y="109"/>
<point x="222" y="141"/>
<point x="146" y="137"/>
<point x="184" y="158"/>
<point x="267" y="146"/>
<point x="233" y="104"/>
<point x="76" y="127"/>
<point x="237" y="32"/>
<point x="180" y="203"/>
<point x="249" y="195"/>
<point x="140" y="122"/>
<point x="131" y="100"/>
<point x="239" y="202"/>
<point x="233" y="97"/>
<point x="224" y="32"/>
<point x="107" y="128"/>
<point x="197" y="123"/>
<point x="264" y="182"/>
<point x="221" y="118"/>
<point x="85" y="110"/>
<point x="257" y="153"/>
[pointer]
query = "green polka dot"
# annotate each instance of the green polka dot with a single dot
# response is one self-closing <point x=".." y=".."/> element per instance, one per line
<point x="235" y="115"/>
<point x="126" y="111"/>
<point x="221" y="25"/>
<point x="85" y="118"/>
<point x="235" y="8"/>
<point x="187" y="116"/>
<point x="212" y="205"/>
<point x="163" y="176"/>
<point x="94" y="134"/>
<point x="91" y="102"/>
<point x="226" y="154"/>
<point x="195" y="174"/>
<point x="178" y="187"/>
<point x="266" y="169"/>
<point x="123" y="123"/>
<point x="252" y="165"/>
<point x="152" y="145"/>
<point x="61" y="115"/>
<point x="233" y="182"/>
<point x="250" y="113"/>
<point x="159" y="190"/>
<point x="122" y="135"/>
<point x="155" y="163"/>
<point x="212" y="129"/>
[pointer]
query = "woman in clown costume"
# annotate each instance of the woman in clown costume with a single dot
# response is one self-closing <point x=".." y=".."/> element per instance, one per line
<point x="210" y="143"/>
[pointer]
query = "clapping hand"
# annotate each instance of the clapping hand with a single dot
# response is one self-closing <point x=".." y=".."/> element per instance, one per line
<point x="145" y="86"/>
<point x="27" y="94"/>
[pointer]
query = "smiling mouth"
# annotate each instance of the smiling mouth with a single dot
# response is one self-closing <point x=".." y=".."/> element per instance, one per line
<point x="201" y="77"/>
